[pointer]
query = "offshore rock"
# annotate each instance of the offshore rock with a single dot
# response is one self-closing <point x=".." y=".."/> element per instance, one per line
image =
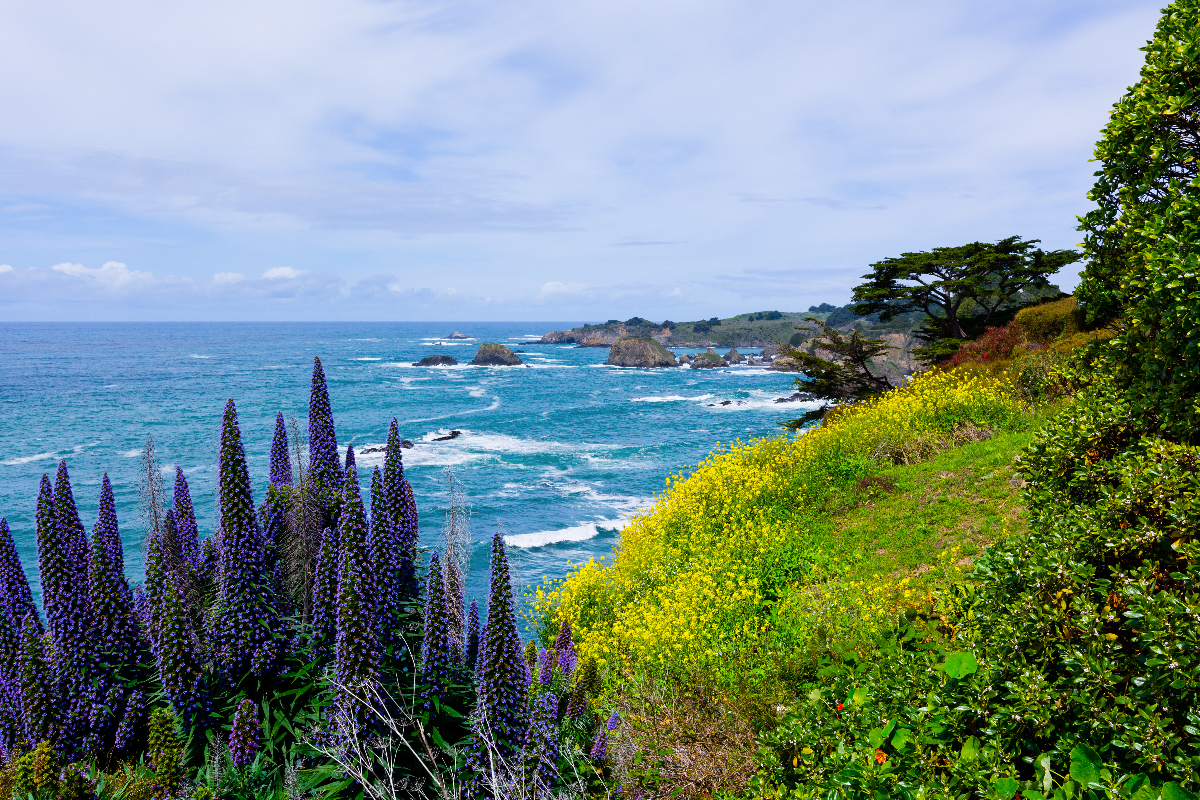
<point x="457" y="335"/>
<point x="709" y="359"/>
<point x="785" y="364"/>
<point x="733" y="357"/>
<point x="496" y="355"/>
<point x="436" y="361"/>
<point x="640" y="351"/>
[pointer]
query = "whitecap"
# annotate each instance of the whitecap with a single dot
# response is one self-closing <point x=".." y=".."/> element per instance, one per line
<point x="366" y="340"/>
<point x="367" y="358"/>
<point x="577" y="533"/>
<point x="196" y="355"/>
<point x="131" y="453"/>
<point x="12" y="462"/>
<point x="670" y="398"/>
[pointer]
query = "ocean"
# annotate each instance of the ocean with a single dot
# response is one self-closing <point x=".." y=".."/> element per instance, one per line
<point x="557" y="455"/>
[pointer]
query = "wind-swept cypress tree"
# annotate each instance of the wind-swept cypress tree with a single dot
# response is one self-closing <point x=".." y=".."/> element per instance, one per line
<point x="437" y="649"/>
<point x="245" y="618"/>
<point x="16" y="600"/>
<point x="322" y="438"/>
<point x="502" y="672"/>
<point x="187" y="533"/>
<point x="114" y="629"/>
<point x="325" y="593"/>
<point x="357" y="647"/>
<point x="281" y="465"/>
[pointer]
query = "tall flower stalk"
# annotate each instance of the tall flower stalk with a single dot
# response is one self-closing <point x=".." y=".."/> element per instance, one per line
<point x="114" y="627"/>
<point x="357" y="648"/>
<point x="323" y="466"/>
<point x="16" y="600"/>
<point x="438" y="648"/>
<point x="281" y="465"/>
<point x="502" y="674"/>
<point x="244" y="620"/>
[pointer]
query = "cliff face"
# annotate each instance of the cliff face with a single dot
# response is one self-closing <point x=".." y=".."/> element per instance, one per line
<point x="640" y="351"/>
<point x="496" y="355"/>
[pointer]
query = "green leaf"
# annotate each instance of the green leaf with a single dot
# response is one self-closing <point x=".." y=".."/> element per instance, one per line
<point x="860" y="696"/>
<point x="1085" y="765"/>
<point x="960" y="665"/>
<point x="1004" y="788"/>
<point x="1173" y="791"/>
<point x="875" y="737"/>
<point x="902" y="738"/>
<point x="970" y="749"/>
<point x="1146" y="792"/>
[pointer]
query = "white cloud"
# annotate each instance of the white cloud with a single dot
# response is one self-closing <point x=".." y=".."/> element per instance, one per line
<point x="113" y="274"/>
<point x="5" y="268"/>
<point x="555" y="290"/>
<point x="275" y="273"/>
<point x="228" y="277"/>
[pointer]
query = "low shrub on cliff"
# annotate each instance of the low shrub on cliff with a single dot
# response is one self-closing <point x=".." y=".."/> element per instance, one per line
<point x="700" y="579"/>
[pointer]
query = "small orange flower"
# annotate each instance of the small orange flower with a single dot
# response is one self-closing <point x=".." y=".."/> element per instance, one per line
<point x="880" y="757"/>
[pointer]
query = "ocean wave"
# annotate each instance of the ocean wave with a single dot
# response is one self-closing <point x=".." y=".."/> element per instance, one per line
<point x="367" y="358"/>
<point x="670" y="398"/>
<point x="132" y="453"/>
<point x="196" y="355"/>
<point x="12" y="462"/>
<point x="366" y="340"/>
<point x="577" y="533"/>
<point x="495" y="404"/>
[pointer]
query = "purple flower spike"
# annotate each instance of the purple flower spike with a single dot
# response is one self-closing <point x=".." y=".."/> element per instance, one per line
<point x="39" y="701"/>
<point x="350" y="456"/>
<point x="132" y="721"/>
<point x="437" y="650"/>
<point x="114" y="626"/>
<point x="547" y="660"/>
<point x="322" y="438"/>
<point x="613" y="720"/>
<point x="542" y="745"/>
<point x="472" y="644"/>
<point x="245" y="734"/>
<point x="599" y="749"/>
<point x="281" y="465"/>
<point x="16" y="600"/>
<point x="187" y="534"/>
<point x="357" y="647"/>
<point x="179" y="667"/>
<point x="245" y="617"/>
<point x="401" y="510"/>
<point x="502" y="669"/>
<point x="568" y="657"/>
<point x="325" y="592"/>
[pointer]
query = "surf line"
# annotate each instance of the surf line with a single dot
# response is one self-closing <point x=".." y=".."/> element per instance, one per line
<point x="495" y="404"/>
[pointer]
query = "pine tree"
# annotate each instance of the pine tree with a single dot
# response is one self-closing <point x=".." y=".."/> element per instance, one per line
<point x="281" y="465"/>
<point x="245" y="619"/>
<point x="437" y="649"/>
<point x="357" y="647"/>
<point x="322" y="437"/>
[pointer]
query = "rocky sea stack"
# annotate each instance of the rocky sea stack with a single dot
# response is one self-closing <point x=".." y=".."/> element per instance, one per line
<point x="496" y="355"/>
<point x="640" y="351"/>
<point x="436" y="361"/>
<point x="709" y="359"/>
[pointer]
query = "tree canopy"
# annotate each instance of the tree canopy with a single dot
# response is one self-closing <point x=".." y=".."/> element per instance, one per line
<point x="844" y="375"/>
<point x="962" y="289"/>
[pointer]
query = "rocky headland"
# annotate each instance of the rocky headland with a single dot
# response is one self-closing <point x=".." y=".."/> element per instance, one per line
<point x="640" y="351"/>
<point x="496" y="355"/>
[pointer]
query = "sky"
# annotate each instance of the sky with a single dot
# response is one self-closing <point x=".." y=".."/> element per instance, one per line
<point x="532" y="160"/>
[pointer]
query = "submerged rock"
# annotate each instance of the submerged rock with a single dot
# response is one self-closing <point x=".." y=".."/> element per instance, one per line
<point x="435" y="361"/>
<point x="496" y="355"/>
<point x="640" y="351"/>
<point x="709" y="359"/>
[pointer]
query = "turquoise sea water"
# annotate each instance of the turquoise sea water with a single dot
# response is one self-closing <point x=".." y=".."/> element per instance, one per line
<point x="558" y="454"/>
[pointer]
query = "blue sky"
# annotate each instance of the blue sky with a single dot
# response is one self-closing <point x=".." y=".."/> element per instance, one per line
<point x="531" y="160"/>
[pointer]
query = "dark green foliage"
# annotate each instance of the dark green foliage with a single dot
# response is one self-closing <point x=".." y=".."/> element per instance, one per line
<point x="960" y="290"/>
<point x="165" y="752"/>
<point x="844" y="376"/>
